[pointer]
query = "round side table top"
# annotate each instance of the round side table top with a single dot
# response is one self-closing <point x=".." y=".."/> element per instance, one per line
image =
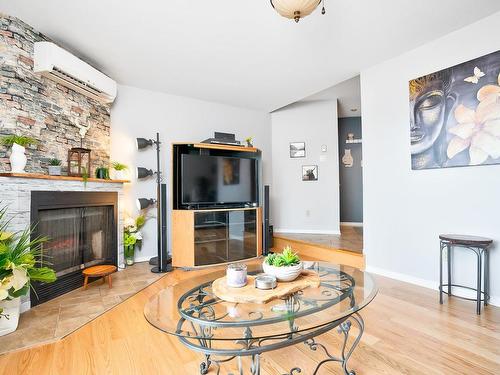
<point x="97" y="271"/>
<point x="466" y="240"/>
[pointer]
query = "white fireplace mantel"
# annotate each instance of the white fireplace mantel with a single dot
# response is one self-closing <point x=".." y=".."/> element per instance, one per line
<point x="15" y="194"/>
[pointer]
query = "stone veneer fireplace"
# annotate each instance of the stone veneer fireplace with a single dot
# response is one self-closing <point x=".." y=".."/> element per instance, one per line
<point x="85" y="205"/>
<point x="82" y="232"/>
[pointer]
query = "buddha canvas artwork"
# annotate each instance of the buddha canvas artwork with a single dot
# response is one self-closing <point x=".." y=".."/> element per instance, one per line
<point x="455" y="115"/>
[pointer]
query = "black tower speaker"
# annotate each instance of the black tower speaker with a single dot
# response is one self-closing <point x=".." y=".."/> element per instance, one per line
<point x="267" y="237"/>
<point x="162" y="262"/>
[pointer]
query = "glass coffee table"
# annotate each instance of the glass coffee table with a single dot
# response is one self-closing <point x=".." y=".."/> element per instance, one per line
<point x="223" y="331"/>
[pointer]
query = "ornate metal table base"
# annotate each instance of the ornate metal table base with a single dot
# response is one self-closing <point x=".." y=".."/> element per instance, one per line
<point x="254" y="348"/>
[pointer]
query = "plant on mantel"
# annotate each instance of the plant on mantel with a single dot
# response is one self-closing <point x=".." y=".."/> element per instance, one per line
<point x="19" y="257"/>
<point x="18" y="145"/>
<point x="55" y="167"/>
<point x="120" y="170"/>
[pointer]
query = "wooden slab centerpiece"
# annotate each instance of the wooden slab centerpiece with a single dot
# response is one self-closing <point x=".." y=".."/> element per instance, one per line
<point x="250" y="294"/>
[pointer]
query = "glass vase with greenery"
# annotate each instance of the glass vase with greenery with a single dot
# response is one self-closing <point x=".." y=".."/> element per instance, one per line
<point x="132" y="237"/>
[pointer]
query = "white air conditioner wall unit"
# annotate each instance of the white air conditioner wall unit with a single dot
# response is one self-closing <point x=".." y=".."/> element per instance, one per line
<point x="61" y="66"/>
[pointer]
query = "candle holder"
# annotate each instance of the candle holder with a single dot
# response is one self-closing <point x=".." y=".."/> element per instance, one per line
<point x="236" y="275"/>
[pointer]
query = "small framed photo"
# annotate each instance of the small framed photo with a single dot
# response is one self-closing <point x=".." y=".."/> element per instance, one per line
<point x="309" y="173"/>
<point x="297" y="149"/>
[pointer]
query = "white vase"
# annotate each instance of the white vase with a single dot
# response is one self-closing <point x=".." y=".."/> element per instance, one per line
<point x="17" y="158"/>
<point x="12" y="309"/>
<point x="285" y="273"/>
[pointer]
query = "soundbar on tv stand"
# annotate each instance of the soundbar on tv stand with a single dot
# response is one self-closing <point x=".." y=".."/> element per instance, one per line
<point x="223" y="139"/>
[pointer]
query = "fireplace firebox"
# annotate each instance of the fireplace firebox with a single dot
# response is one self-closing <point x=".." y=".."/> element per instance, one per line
<point x="81" y="228"/>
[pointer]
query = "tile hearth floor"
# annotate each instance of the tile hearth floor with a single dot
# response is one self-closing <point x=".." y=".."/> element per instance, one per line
<point x="62" y="315"/>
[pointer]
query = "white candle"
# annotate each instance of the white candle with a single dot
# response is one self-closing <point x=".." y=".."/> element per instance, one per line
<point x="236" y="275"/>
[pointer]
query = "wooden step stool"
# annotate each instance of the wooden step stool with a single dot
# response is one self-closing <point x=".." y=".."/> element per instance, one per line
<point x="98" y="271"/>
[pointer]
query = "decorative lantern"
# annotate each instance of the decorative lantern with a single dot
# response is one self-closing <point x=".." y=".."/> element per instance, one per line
<point x="296" y="9"/>
<point x="79" y="162"/>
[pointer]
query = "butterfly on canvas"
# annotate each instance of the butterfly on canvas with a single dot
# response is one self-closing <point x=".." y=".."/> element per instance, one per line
<point x="475" y="78"/>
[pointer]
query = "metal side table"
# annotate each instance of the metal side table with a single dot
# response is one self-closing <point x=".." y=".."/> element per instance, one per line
<point x="479" y="245"/>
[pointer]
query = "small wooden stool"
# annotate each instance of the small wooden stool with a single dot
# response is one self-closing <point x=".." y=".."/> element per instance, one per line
<point x="98" y="271"/>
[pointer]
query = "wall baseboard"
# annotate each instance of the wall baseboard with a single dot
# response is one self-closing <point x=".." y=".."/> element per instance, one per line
<point x="429" y="284"/>
<point x="143" y="259"/>
<point x="306" y="231"/>
<point x="351" y="223"/>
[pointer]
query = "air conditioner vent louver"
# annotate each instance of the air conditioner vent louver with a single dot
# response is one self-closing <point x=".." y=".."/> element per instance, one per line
<point x="59" y="65"/>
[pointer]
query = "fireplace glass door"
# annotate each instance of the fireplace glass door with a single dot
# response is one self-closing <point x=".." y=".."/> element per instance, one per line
<point x="77" y="237"/>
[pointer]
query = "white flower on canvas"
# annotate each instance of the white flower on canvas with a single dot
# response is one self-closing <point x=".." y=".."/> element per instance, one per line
<point x="479" y="129"/>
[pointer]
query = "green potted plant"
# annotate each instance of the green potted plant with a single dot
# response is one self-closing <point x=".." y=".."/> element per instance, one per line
<point x="249" y="141"/>
<point x="119" y="171"/>
<point x="19" y="259"/>
<point x="55" y="167"/>
<point x="286" y="266"/>
<point x="132" y="237"/>
<point x="102" y="173"/>
<point x="18" y="145"/>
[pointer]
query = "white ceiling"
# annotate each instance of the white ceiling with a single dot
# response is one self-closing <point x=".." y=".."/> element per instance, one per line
<point x="241" y="52"/>
<point x="348" y="95"/>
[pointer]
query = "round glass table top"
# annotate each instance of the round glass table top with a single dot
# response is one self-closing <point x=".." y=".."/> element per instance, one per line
<point x="190" y="308"/>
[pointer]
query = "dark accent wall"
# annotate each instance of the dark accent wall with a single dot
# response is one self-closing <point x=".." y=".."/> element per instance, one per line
<point x="351" y="179"/>
<point x="38" y="107"/>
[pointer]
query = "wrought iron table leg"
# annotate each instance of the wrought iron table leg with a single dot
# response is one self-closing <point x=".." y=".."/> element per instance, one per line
<point x="448" y="257"/>
<point x="479" y="269"/>
<point x="441" y="246"/>
<point x="486" y="277"/>
<point x="205" y="365"/>
<point x="345" y="354"/>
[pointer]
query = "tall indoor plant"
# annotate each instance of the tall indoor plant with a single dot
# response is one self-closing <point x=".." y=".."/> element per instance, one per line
<point x="132" y="237"/>
<point x="19" y="255"/>
<point x="18" y="145"/>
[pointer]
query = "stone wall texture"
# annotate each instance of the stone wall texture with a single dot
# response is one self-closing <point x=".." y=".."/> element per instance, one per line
<point x="35" y="106"/>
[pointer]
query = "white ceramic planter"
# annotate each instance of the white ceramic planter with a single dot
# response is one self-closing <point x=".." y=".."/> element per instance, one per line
<point x="54" y="170"/>
<point x="12" y="309"/>
<point x="289" y="273"/>
<point x="120" y="175"/>
<point x="17" y="158"/>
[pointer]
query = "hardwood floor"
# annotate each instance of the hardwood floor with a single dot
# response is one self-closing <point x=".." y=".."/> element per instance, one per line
<point x="350" y="238"/>
<point x="407" y="332"/>
<point x="346" y="248"/>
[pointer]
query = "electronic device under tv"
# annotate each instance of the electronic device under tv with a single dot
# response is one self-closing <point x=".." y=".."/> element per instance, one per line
<point x="218" y="181"/>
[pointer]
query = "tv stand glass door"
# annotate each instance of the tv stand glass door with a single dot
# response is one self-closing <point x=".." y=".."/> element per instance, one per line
<point x="224" y="236"/>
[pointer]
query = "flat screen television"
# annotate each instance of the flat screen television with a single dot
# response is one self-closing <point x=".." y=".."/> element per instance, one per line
<point x="208" y="180"/>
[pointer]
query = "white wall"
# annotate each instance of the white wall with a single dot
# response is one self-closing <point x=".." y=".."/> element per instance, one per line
<point x="142" y="113"/>
<point x="305" y="206"/>
<point x="405" y="210"/>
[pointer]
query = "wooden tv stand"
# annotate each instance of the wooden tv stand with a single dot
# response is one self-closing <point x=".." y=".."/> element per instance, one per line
<point x="203" y="237"/>
<point x="208" y="237"/>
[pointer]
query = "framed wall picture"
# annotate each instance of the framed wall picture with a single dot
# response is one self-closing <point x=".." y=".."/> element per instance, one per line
<point x="309" y="173"/>
<point x="455" y="115"/>
<point x="297" y="149"/>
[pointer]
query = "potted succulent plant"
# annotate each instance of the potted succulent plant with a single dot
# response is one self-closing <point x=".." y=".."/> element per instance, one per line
<point x="55" y="167"/>
<point x="18" y="145"/>
<point x="132" y="237"/>
<point x="119" y="170"/>
<point x="102" y="173"/>
<point x="249" y="141"/>
<point x="18" y="256"/>
<point x="285" y="266"/>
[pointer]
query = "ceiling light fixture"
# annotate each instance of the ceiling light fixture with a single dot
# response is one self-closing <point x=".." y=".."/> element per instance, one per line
<point x="296" y="9"/>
